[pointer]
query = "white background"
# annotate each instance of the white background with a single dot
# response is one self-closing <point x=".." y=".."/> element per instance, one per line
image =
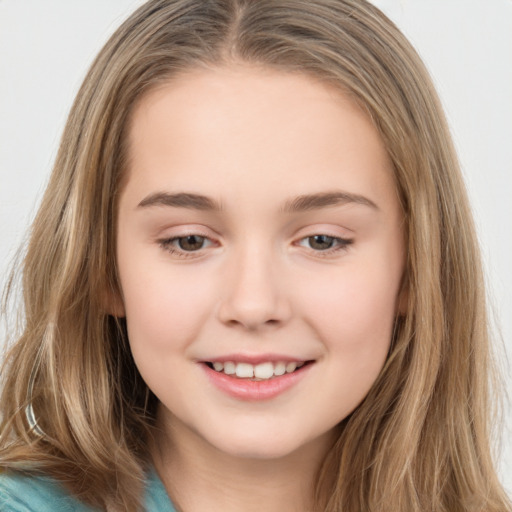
<point x="46" y="47"/>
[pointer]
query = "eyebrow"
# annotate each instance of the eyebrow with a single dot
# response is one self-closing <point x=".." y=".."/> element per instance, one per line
<point x="325" y="199"/>
<point x="300" y="203"/>
<point x="181" y="200"/>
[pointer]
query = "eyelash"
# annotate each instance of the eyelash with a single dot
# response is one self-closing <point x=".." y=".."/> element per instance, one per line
<point x="167" y="245"/>
<point x="341" y="244"/>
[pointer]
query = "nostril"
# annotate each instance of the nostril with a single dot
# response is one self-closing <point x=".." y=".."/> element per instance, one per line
<point x="254" y="305"/>
<point x="252" y="324"/>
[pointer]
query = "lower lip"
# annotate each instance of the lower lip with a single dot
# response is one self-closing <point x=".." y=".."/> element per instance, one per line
<point x="250" y="390"/>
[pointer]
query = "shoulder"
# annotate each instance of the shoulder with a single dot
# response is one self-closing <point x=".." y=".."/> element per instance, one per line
<point x="157" y="498"/>
<point x="20" y="492"/>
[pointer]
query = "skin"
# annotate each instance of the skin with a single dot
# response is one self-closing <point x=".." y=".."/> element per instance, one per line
<point x="253" y="140"/>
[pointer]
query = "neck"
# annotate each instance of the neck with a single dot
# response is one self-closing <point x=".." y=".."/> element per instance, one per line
<point x="200" y="477"/>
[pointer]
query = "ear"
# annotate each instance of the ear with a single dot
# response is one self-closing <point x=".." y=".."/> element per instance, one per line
<point x="112" y="301"/>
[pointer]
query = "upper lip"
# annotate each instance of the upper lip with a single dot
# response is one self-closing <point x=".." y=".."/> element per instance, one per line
<point x="255" y="359"/>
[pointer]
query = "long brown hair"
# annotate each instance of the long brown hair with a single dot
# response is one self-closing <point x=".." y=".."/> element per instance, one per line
<point x="421" y="438"/>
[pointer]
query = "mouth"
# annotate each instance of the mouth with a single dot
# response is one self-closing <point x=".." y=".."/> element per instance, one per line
<point x="256" y="378"/>
<point x="264" y="371"/>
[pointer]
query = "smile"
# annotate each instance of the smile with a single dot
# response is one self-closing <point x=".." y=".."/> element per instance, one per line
<point x="259" y="380"/>
<point x="256" y="372"/>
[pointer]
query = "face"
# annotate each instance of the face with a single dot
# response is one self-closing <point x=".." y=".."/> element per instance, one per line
<point x="260" y="254"/>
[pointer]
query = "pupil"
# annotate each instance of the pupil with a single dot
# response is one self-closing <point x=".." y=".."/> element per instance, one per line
<point x="321" y="242"/>
<point x="191" y="243"/>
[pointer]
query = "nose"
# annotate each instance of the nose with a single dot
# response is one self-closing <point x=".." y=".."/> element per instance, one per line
<point x="254" y="295"/>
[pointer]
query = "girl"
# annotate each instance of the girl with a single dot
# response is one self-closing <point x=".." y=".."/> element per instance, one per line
<point x="253" y="282"/>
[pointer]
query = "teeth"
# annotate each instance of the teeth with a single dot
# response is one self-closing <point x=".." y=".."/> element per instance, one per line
<point x="218" y="367"/>
<point x="290" y="367"/>
<point x="244" y="370"/>
<point x="279" y="369"/>
<point x="229" y="368"/>
<point x="262" y="371"/>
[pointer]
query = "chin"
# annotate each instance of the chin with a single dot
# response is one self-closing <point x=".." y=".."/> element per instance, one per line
<point x="263" y="445"/>
<point x="261" y="449"/>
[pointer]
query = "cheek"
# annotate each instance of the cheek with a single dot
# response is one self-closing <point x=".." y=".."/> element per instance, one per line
<point x="164" y="315"/>
<point x="164" y="306"/>
<point x="354" y="323"/>
<point x="353" y="313"/>
<point x="358" y="302"/>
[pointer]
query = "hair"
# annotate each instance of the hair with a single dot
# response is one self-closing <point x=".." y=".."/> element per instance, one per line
<point x="421" y="439"/>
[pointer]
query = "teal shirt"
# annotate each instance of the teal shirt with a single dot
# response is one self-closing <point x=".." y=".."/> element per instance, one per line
<point x="21" y="493"/>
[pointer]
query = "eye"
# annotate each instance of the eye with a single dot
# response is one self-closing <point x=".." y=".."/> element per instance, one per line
<point x="181" y="245"/>
<point x="324" y="243"/>
<point x="190" y="242"/>
<point x="321" y="242"/>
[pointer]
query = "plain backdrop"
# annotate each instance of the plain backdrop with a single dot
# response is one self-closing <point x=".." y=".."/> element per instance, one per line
<point x="47" y="46"/>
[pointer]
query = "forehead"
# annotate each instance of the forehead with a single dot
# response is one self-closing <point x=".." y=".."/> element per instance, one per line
<point x="231" y="128"/>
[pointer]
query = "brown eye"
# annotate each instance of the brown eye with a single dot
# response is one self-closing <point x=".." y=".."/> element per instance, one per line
<point x="325" y="244"/>
<point x="321" y="242"/>
<point x="191" y="242"/>
<point x="186" y="246"/>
